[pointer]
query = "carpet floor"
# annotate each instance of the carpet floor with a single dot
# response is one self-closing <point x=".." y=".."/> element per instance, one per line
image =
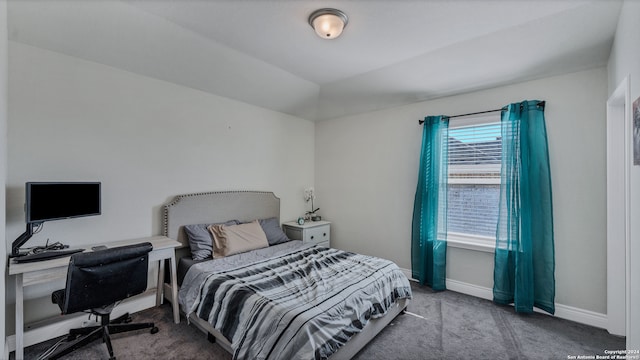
<point x="437" y="325"/>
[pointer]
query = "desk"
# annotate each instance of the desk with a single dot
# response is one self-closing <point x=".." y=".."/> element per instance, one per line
<point x="33" y="273"/>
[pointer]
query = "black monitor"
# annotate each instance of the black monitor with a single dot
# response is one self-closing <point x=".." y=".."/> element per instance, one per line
<point x="48" y="201"/>
<point x="55" y="201"/>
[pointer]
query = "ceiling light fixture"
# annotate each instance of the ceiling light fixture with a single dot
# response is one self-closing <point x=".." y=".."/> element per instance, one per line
<point x="328" y="23"/>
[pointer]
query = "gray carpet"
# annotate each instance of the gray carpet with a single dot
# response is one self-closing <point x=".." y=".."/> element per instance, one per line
<point x="448" y="325"/>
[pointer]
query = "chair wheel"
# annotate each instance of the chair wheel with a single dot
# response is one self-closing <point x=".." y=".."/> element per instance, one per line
<point x="154" y="329"/>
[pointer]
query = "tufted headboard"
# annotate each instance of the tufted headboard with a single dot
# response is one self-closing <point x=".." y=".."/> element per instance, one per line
<point x="215" y="207"/>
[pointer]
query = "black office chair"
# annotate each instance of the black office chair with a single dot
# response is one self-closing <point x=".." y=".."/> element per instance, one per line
<point x="96" y="281"/>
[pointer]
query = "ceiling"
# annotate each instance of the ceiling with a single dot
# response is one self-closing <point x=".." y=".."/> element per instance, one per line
<point x="263" y="52"/>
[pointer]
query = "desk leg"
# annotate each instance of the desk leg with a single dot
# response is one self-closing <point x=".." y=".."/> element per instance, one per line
<point x="174" y="290"/>
<point x="19" y="318"/>
<point x="160" y="284"/>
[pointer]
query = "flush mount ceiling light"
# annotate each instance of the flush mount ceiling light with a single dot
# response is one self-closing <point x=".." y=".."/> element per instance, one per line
<point x="328" y="23"/>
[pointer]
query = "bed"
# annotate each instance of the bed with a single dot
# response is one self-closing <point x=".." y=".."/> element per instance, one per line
<point x="294" y="316"/>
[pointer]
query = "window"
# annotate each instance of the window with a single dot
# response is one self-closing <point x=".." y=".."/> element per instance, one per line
<point x="475" y="154"/>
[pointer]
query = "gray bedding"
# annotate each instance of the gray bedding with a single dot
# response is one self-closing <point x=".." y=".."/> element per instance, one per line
<point x="184" y="265"/>
<point x="291" y="301"/>
<point x="191" y="278"/>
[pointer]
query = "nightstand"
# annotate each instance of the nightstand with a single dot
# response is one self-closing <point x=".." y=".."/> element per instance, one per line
<point x="316" y="232"/>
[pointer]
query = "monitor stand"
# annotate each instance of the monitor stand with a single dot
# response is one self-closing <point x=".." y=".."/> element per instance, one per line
<point x="15" y="246"/>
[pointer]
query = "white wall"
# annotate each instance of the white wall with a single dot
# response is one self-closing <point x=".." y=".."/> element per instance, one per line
<point x="146" y="140"/>
<point x="3" y="162"/>
<point x="625" y="61"/>
<point x="127" y="37"/>
<point x="366" y="175"/>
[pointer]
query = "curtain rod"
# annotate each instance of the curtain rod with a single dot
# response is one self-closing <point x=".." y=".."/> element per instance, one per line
<point x="541" y="103"/>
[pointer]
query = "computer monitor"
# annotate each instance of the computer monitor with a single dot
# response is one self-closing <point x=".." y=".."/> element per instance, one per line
<point x="48" y="201"/>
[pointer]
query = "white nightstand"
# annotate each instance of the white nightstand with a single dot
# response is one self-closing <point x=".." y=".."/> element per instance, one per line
<point x="317" y="232"/>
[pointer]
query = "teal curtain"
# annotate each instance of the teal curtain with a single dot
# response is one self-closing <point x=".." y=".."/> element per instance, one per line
<point x="429" y="227"/>
<point x="524" y="256"/>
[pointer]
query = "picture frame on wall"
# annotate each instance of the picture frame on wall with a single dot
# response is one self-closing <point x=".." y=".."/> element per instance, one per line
<point x="635" y="115"/>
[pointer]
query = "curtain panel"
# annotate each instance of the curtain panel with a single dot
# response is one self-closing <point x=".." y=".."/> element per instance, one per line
<point x="524" y="255"/>
<point x="429" y="226"/>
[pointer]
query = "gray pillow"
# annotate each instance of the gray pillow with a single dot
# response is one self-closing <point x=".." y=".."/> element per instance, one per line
<point x="201" y="240"/>
<point x="272" y="229"/>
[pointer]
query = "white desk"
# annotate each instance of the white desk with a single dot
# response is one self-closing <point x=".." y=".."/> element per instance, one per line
<point x="33" y="273"/>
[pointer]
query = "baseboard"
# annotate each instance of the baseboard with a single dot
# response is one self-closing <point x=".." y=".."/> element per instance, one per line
<point x="470" y="289"/>
<point x="582" y="316"/>
<point x="566" y="312"/>
<point x="49" y="329"/>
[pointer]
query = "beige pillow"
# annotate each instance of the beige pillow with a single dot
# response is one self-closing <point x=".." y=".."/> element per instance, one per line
<point x="235" y="239"/>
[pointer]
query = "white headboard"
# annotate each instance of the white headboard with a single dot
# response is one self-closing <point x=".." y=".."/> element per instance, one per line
<point x="215" y="207"/>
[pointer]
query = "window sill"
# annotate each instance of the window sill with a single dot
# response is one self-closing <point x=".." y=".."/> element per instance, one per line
<point x="467" y="242"/>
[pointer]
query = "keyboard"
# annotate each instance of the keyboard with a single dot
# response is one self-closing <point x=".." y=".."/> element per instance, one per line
<point x="46" y="255"/>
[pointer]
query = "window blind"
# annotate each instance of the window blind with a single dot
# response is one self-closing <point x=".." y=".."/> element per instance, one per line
<point x="474" y="179"/>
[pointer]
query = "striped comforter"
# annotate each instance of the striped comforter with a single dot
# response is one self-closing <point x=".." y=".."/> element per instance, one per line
<point x="304" y="304"/>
